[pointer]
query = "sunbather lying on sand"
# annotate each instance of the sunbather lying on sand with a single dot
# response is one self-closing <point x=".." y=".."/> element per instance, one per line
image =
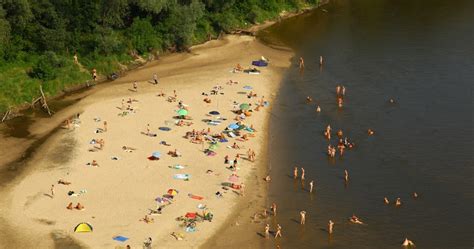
<point x="174" y="153"/>
<point x="147" y="219"/>
<point x="61" y="181"/>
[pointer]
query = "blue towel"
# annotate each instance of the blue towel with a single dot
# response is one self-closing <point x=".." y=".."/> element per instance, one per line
<point x="120" y="238"/>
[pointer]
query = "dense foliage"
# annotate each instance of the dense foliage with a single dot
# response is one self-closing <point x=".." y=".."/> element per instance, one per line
<point x="39" y="37"/>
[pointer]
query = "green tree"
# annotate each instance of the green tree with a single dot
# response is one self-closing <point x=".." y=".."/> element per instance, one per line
<point x="143" y="36"/>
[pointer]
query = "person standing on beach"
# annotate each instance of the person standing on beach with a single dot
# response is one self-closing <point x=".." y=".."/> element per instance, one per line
<point x="330" y="226"/>
<point x="148" y="129"/>
<point x="267" y="231"/>
<point x="295" y="172"/>
<point x="135" y="86"/>
<point x="303" y="217"/>
<point x="155" y="78"/>
<point x="278" y="232"/>
<point x="105" y="126"/>
<point x="52" y="191"/>
<point x="311" y="185"/>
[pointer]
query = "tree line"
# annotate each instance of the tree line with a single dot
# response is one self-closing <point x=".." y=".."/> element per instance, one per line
<point x="39" y="37"/>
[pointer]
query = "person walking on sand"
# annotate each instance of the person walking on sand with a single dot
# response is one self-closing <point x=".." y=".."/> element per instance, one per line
<point x="302" y="217"/>
<point x="135" y="86"/>
<point x="105" y="126"/>
<point x="311" y="185"/>
<point x="155" y="79"/>
<point x="301" y="63"/>
<point x="330" y="226"/>
<point x="267" y="231"/>
<point x="295" y="172"/>
<point x="278" y="232"/>
<point x="52" y="191"/>
<point x="302" y="174"/>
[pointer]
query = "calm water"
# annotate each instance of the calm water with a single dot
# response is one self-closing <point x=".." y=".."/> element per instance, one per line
<point x="421" y="54"/>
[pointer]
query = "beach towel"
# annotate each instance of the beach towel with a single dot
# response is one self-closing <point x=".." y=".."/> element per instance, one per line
<point x="177" y="166"/>
<point x="196" y="197"/>
<point x="164" y="129"/>
<point x="260" y="63"/>
<point x="120" y="238"/>
<point x="182" y="176"/>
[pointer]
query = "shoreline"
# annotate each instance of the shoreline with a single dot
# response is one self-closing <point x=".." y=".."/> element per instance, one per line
<point x="199" y="49"/>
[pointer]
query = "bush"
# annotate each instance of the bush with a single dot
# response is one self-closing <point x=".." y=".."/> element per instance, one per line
<point x="143" y="36"/>
<point x="45" y="66"/>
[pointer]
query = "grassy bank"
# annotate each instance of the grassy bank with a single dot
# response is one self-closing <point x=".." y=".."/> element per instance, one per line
<point x="38" y="38"/>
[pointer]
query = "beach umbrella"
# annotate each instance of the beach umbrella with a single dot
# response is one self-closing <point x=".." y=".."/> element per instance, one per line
<point x="213" y="147"/>
<point x="172" y="191"/>
<point x="233" y="178"/>
<point x="214" y="113"/>
<point x="233" y="126"/>
<point x="182" y="112"/>
<point x="247" y="87"/>
<point x="163" y="128"/>
<point x="244" y="106"/>
<point x="156" y="154"/>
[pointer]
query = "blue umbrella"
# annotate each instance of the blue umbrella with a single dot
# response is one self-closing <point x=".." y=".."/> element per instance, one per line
<point x="233" y="126"/>
<point x="214" y="113"/>
<point x="156" y="154"/>
<point x="247" y="87"/>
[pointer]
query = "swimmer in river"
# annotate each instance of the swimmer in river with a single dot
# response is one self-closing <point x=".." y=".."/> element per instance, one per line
<point x="295" y="172"/>
<point x="398" y="202"/>
<point x="407" y="243"/>
<point x="415" y="195"/>
<point x="354" y="219"/>
<point x="302" y="217"/>
<point x="301" y="63"/>
<point x="309" y="99"/>
<point x="311" y="185"/>
<point x="370" y="132"/>
<point x="338" y="90"/>
<point x="385" y="200"/>
<point x="320" y="60"/>
<point x="330" y="227"/>
<point x="346" y="175"/>
<point x="318" y="109"/>
<point x="302" y="174"/>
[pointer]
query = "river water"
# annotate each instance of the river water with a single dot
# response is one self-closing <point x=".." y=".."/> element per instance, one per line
<point x="420" y="53"/>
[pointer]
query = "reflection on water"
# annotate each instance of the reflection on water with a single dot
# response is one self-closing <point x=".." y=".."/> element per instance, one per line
<point x="415" y="52"/>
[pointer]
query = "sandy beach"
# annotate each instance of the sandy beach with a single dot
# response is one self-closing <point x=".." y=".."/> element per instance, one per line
<point x="118" y="193"/>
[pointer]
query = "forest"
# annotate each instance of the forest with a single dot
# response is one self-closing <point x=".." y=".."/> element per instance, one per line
<point x="38" y="38"/>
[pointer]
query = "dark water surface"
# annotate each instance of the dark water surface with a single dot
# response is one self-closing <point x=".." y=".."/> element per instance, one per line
<point x="419" y="53"/>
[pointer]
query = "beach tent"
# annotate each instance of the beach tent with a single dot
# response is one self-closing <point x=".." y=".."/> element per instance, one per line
<point x="244" y="106"/>
<point x="260" y="63"/>
<point x="233" y="126"/>
<point x="83" y="228"/>
<point x="182" y="112"/>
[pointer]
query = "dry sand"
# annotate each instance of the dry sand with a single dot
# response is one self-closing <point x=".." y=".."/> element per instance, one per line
<point x="120" y="192"/>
